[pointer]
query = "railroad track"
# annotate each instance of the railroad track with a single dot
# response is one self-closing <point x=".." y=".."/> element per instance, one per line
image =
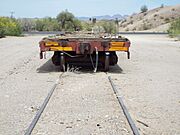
<point x="125" y="110"/>
<point x="43" y="106"/>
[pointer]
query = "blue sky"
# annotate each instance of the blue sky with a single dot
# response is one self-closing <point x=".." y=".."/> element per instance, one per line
<point x="44" y="8"/>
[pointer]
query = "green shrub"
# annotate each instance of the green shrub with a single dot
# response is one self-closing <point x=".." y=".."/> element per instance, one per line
<point x="174" y="29"/>
<point x="9" y="27"/>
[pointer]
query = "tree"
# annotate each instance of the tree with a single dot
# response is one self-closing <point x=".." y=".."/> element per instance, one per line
<point x="162" y="5"/>
<point x="27" y="24"/>
<point x="116" y="21"/>
<point x="94" y="20"/>
<point x="65" y="18"/>
<point x="144" y="9"/>
<point x="68" y="22"/>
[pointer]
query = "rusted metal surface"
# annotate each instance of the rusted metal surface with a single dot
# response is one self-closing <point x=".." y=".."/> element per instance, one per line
<point x="79" y="45"/>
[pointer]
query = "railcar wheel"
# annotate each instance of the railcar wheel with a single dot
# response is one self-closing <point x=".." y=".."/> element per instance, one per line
<point x="62" y="62"/>
<point x="106" y="62"/>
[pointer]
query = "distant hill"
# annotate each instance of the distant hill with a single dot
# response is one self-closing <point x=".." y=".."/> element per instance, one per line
<point x="105" y="17"/>
<point x="157" y="19"/>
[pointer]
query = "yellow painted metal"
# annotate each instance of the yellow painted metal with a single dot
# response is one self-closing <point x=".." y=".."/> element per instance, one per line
<point x="50" y="43"/>
<point x="117" y="44"/>
<point x="118" y="49"/>
<point x="61" y="48"/>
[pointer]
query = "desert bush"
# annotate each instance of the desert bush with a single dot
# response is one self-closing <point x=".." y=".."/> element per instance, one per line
<point x="86" y="26"/>
<point x="167" y="20"/>
<point x="146" y="26"/>
<point x="109" y="27"/>
<point x="98" y="29"/>
<point x="134" y="29"/>
<point x="172" y="17"/>
<point x="127" y="29"/>
<point x="144" y="9"/>
<point x="155" y="15"/>
<point x="174" y="29"/>
<point x="9" y="27"/>
<point x="131" y="22"/>
<point x="123" y="21"/>
<point x="145" y="14"/>
<point x="161" y="17"/>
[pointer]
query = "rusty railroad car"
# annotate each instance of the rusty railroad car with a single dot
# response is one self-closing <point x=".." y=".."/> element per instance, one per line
<point x="98" y="51"/>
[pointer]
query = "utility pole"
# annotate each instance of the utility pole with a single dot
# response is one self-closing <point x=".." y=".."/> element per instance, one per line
<point x="12" y="13"/>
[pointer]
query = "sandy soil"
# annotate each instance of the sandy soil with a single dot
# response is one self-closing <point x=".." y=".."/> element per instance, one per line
<point x="24" y="83"/>
<point x="149" y="83"/>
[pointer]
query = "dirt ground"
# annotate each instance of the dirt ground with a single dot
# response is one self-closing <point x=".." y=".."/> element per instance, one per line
<point x="83" y="105"/>
<point x="149" y="83"/>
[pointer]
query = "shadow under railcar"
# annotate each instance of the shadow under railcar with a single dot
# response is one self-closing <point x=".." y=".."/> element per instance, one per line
<point x="77" y="67"/>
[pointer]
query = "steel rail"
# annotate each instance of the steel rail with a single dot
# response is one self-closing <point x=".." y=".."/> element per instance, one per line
<point x="43" y="106"/>
<point x="125" y="111"/>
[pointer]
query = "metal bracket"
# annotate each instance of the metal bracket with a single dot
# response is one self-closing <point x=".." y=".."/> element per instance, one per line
<point x="128" y="54"/>
<point x="97" y="58"/>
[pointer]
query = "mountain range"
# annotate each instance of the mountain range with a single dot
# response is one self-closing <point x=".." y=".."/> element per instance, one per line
<point x="105" y="17"/>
